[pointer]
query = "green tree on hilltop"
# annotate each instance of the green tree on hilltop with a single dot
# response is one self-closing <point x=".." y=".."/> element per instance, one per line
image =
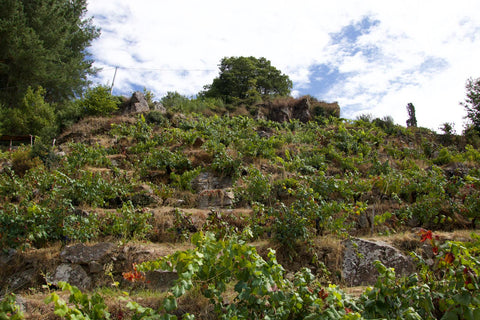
<point x="43" y="44"/>
<point x="247" y="79"/>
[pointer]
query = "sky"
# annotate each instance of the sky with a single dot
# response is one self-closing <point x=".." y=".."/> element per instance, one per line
<point x="371" y="56"/>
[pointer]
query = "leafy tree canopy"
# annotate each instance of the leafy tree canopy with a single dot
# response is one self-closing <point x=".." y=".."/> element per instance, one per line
<point x="472" y="102"/>
<point x="43" y="43"/>
<point x="247" y="79"/>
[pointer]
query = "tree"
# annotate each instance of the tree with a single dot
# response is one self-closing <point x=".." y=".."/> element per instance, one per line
<point x="43" y="43"/>
<point x="472" y="102"/>
<point x="412" y="120"/>
<point x="32" y="116"/>
<point x="247" y="79"/>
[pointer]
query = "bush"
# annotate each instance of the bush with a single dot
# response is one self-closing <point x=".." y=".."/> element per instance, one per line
<point x="156" y="117"/>
<point x="99" y="101"/>
<point x="22" y="161"/>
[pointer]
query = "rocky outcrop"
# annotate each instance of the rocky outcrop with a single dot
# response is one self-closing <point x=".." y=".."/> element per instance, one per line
<point x="290" y="109"/>
<point x="213" y="191"/>
<point x="304" y="109"/>
<point x="217" y="198"/>
<point x="136" y="104"/>
<point x="360" y="255"/>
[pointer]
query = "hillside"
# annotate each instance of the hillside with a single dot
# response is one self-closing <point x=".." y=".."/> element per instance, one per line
<point x="150" y="182"/>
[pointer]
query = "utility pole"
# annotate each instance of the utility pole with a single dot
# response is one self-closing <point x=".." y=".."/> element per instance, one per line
<point x="113" y="81"/>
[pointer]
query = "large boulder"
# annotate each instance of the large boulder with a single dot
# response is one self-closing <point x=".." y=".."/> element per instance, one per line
<point x="359" y="257"/>
<point x="136" y="104"/>
<point x="74" y="274"/>
<point x="83" y="254"/>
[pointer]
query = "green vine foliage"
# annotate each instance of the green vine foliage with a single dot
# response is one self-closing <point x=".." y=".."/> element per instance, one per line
<point x="261" y="289"/>
<point x="9" y="310"/>
<point x="80" y="305"/>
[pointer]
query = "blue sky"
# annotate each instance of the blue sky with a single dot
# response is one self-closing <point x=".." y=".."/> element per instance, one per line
<point x="371" y="56"/>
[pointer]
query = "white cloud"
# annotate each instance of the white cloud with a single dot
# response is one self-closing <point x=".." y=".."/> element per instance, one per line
<point x="416" y="51"/>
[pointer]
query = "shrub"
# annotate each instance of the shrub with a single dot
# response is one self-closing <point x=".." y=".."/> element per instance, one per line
<point x="99" y="101"/>
<point x="156" y="117"/>
<point x="22" y="161"/>
<point x="444" y="157"/>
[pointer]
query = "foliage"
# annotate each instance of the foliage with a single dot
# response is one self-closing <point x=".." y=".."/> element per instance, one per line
<point x="260" y="287"/>
<point x="98" y="101"/>
<point x="80" y="306"/>
<point x="9" y="310"/>
<point x="32" y="115"/>
<point x="247" y="79"/>
<point x="127" y="222"/>
<point x="22" y="161"/>
<point x="446" y="289"/>
<point x="254" y="187"/>
<point x="174" y="101"/>
<point x="184" y="180"/>
<point x="44" y="43"/>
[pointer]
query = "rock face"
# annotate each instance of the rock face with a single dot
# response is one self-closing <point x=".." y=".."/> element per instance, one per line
<point x="213" y="191"/>
<point x="136" y="104"/>
<point x="292" y="109"/>
<point x="358" y="266"/>
<point x="304" y="109"/>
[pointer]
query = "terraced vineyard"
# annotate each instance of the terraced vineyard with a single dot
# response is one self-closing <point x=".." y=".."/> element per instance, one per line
<point x="236" y="186"/>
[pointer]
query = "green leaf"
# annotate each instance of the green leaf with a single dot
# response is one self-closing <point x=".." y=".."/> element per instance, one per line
<point x="450" y="315"/>
<point x="170" y="303"/>
<point x="179" y="289"/>
<point x="463" y="298"/>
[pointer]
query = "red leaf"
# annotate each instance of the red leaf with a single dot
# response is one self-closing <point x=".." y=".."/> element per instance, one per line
<point x="426" y="234"/>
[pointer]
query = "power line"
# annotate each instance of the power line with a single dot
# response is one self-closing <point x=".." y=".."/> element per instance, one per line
<point x="157" y="69"/>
